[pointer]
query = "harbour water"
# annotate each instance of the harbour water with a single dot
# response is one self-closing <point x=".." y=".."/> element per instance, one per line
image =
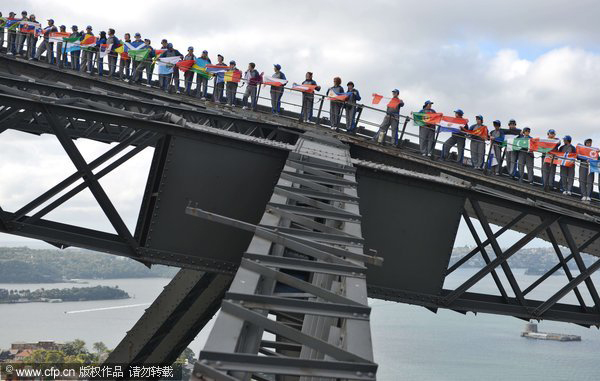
<point x="410" y="342"/>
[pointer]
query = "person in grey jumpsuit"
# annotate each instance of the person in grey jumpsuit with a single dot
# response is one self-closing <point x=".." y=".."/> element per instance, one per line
<point x="87" y="55"/>
<point x="219" y="81"/>
<point x="46" y="45"/>
<point x="253" y="79"/>
<point x="392" y="116"/>
<point x="427" y="133"/>
<point x="188" y="76"/>
<point x="586" y="177"/>
<point x="231" y="87"/>
<point x="61" y="56"/>
<point x="525" y="159"/>
<point x="549" y="169"/>
<point x="567" y="173"/>
<point x="458" y="139"/>
<point x="497" y="138"/>
<point x="201" y="81"/>
<point x="308" y="98"/>
<point x="512" y="156"/>
<point x="477" y="145"/>
<point x="335" y="107"/>
<point x="277" y="91"/>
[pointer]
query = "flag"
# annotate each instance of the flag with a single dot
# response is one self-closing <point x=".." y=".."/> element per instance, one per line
<point x="377" y="98"/>
<point x="192" y="65"/>
<point x="561" y="158"/>
<point x="30" y="27"/>
<point x="450" y="124"/>
<point x="304" y="88"/>
<point x="215" y="69"/>
<point x="587" y="153"/>
<point x="518" y="144"/>
<point x="233" y="76"/>
<point x="544" y="145"/>
<point x="127" y="46"/>
<point x="482" y="132"/>
<point x="160" y="51"/>
<point x="104" y="49"/>
<point x="139" y="54"/>
<point x="166" y="64"/>
<point x="2" y="22"/>
<point x="72" y="44"/>
<point x="268" y="80"/>
<point x="594" y="166"/>
<point x="12" y="24"/>
<point x="394" y="102"/>
<point x="423" y="118"/>
<point x="492" y="160"/>
<point x="88" y="42"/>
<point x="333" y="96"/>
<point x="58" y="36"/>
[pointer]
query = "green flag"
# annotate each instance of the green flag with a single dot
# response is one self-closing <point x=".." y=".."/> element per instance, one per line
<point x="138" y="55"/>
<point x="2" y="22"/>
<point x="517" y="144"/>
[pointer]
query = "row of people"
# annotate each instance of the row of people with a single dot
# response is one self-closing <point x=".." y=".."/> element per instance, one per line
<point x="518" y="161"/>
<point x="91" y="60"/>
<point x="121" y="65"/>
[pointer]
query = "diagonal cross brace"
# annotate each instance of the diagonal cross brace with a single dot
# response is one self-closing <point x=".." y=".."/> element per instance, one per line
<point x="88" y="176"/>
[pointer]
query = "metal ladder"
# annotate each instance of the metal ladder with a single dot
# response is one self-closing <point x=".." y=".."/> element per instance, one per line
<point x="297" y="307"/>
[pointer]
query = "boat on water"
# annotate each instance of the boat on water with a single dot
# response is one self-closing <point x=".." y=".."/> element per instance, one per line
<point x="531" y="332"/>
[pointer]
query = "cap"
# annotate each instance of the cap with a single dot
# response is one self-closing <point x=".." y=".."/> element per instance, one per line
<point x="479" y="117"/>
<point x="11" y="13"/>
<point x="587" y="140"/>
<point x="277" y="66"/>
<point x="232" y="62"/>
<point x="350" y="83"/>
<point x="218" y="55"/>
<point x="527" y="129"/>
<point x="428" y="102"/>
<point x="205" y="52"/>
<point x="459" y="111"/>
<point x="169" y="45"/>
<point x="567" y="138"/>
<point x="74" y="27"/>
<point x="309" y="73"/>
<point x="51" y="20"/>
<point x="396" y="91"/>
<point x="551" y="131"/>
<point x="24" y="12"/>
<point x="63" y="27"/>
<point x="496" y="122"/>
<point x="164" y="40"/>
<point x="190" y="48"/>
<point x="512" y="121"/>
<point x="137" y="34"/>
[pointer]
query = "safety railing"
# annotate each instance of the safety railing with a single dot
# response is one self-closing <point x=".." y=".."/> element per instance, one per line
<point x="321" y="115"/>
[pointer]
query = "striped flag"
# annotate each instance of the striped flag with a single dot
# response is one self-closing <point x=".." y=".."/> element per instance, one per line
<point x="192" y="65"/>
<point x="587" y="153"/>
<point x="72" y="44"/>
<point x="450" y="124"/>
<point x="30" y="27"/>
<point x="233" y="76"/>
<point x="544" y="145"/>
<point x="594" y="166"/>
<point x="333" y="96"/>
<point x="304" y="88"/>
<point x="268" y="80"/>
<point x="58" y="36"/>
<point x="423" y="118"/>
<point x="216" y="69"/>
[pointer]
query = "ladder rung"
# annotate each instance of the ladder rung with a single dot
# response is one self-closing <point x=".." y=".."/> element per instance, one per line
<point x="307" y="265"/>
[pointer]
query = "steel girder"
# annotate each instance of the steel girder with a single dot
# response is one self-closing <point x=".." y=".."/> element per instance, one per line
<point x="307" y="290"/>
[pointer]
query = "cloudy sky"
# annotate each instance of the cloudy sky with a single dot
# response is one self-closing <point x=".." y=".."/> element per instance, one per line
<point x="535" y="61"/>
